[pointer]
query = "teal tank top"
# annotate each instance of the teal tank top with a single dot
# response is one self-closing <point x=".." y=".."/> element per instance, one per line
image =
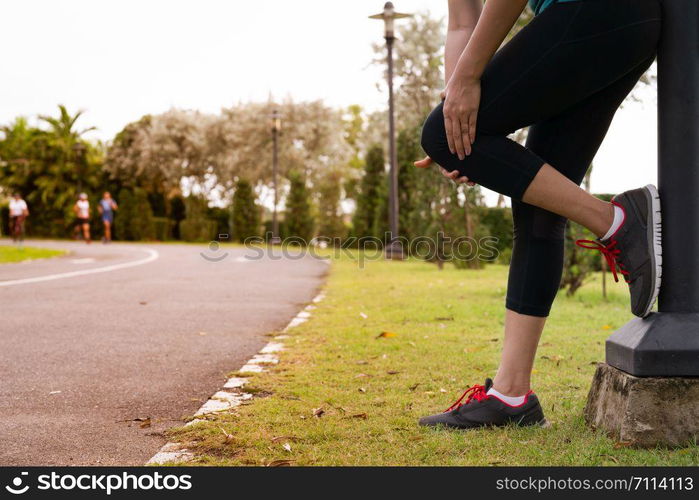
<point x="538" y="6"/>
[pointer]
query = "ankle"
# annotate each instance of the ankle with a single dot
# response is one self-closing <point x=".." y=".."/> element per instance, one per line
<point x="605" y="218"/>
<point x="511" y="388"/>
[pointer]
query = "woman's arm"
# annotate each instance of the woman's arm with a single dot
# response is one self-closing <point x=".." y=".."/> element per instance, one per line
<point x="462" y="95"/>
<point x="463" y="17"/>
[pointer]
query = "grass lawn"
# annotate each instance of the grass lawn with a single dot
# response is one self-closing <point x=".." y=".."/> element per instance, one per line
<point x="445" y="335"/>
<point x="14" y="254"/>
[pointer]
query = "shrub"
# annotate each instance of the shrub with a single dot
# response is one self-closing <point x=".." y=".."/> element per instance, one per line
<point x="245" y="214"/>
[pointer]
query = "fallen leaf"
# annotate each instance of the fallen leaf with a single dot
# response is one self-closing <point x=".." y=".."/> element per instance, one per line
<point x="287" y="447"/>
<point x="442" y="390"/>
<point x="318" y="412"/>
<point x="145" y="423"/>
<point x="364" y="316"/>
<point x="363" y="416"/>
<point x="444" y="318"/>
<point x="472" y="349"/>
<point x="229" y="437"/>
<point x="392" y="372"/>
<point x="386" y="335"/>
<point x="361" y="375"/>
<point x="280" y="463"/>
<point x="413" y="387"/>
<point x="362" y="362"/>
<point x="362" y="389"/>
<point x="622" y="444"/>
<point x="54" y="392"/>
<point x="143" y="302"/>
<point x="412" y="344"/>
<point x="607" y="327"/>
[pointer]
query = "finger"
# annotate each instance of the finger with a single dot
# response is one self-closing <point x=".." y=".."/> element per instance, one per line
<point x="450" y="130"/>
<point x="462" y="180"/>
<point x="472" y="127"/>
<point x="424" y="163"/>
<point x="471" y="183"/>
<point x="458" y="141"/>
<point x="466" y="138"/>
<point x="453" y="175"/>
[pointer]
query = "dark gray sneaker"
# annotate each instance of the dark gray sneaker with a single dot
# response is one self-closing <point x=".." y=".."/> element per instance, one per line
<point x="481" y="410"/>
<point x="635" y="250"/>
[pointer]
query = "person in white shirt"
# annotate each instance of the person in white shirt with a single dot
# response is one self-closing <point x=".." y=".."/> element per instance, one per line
<point x="82" y="214"/>
<point x="18" y="214"/>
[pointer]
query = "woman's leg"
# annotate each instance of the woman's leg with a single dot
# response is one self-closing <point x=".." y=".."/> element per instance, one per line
<point x="564" y="57"/>
<point x="570" y="140"/>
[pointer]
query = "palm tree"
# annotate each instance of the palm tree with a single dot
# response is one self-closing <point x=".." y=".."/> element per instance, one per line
<point x="69" y="140"/>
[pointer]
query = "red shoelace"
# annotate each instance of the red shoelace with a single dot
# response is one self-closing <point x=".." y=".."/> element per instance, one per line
<point x="610" y="253"/>
<point x="476" y="392"/>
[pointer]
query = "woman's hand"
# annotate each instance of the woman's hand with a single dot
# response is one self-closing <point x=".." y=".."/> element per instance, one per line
<point x="426" y="162"/>
<point x="462" y="97"/>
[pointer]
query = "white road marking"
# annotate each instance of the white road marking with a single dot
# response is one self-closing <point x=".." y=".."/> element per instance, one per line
<point x="152" y="255"/>
<point x="86" y="260"/>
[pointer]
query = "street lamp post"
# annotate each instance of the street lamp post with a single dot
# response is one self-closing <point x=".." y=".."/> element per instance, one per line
<point x="394" y="249"/>
<point x="276" y="130"/>
<point x="647" y="393"/>
<point x="667" y="343"/>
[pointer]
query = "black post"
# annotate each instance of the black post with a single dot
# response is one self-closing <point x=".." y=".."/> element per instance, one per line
<point x="275" y="166"/>
<point x="394" y="249"/>
<point x="667" y="343"/>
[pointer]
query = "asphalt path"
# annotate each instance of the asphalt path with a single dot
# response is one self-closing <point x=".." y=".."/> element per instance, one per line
<point x="109" y="334"/>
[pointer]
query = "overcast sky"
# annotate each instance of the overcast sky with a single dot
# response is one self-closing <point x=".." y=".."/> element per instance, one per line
<point x="119" y="60"/>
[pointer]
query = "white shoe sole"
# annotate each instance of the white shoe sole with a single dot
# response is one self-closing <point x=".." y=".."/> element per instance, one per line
<point x="655" y="232"/>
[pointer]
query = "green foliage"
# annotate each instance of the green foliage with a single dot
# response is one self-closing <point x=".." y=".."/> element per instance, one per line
<point x="245" y="214"/>
<point x="162" y="228"/>
<point x="498" y="223"/>
<point x="134" y="220"/>
<point x="197" y="226"/>
<point x="298" y="216"/>
<point x="579" y="263"/>
<point x="198" y="229"/>
<point x="330" y="223"/>
<point x="49" y="167"/>
<point x="371" y="204"/>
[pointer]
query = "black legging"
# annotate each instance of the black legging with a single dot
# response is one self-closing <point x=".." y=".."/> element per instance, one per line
<point x="564" y="75"/>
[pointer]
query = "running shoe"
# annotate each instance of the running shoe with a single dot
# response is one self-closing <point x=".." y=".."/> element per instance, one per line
<point x="635" y="249"/>
<point x="475" y="408"/>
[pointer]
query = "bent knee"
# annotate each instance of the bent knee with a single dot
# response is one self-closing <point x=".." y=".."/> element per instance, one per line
<point x="434" y="136"/>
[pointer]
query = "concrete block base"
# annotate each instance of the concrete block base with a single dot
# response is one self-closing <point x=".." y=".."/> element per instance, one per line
<point x="644" y="411"/>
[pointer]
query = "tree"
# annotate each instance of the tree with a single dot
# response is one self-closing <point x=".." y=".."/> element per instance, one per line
<point x="245" y="214"/>
<point x="47" y="168"/>
<point x="371" y="192"/>
<point x="135" y="217"/>
<point x="298" y="217"/>
<point x="330" y="224"/>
